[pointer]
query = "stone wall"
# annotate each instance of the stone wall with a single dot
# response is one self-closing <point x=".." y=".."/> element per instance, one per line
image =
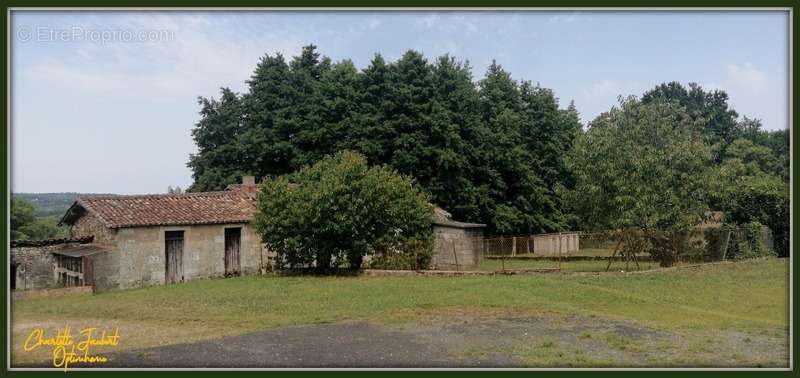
<point x="456" y="248"/>
<point x="34" y="267"/>
<point x="140" y="256"/>
<point x="89" y="225"/>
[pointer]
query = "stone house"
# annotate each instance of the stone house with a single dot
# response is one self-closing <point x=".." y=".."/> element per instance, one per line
<point x="166" y="238"/>
<point x="127" y="241"/>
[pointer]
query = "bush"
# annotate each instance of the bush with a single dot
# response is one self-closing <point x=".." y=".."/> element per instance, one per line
<point x="670" y="246"/>
<point x="715" y="238"/>
<point x="747" y="243"/>
<point x="412" y="255"/>
<point x="340" y="210"/>
<point x="765" y="200"/>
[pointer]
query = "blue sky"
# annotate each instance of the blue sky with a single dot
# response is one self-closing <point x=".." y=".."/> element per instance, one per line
<point x="104" y="102"/>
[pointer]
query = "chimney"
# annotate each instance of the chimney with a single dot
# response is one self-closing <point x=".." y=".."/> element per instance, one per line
<point x="248" y="181"/>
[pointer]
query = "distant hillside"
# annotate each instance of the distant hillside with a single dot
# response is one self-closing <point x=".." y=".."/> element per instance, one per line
<point x="51" y="204"/>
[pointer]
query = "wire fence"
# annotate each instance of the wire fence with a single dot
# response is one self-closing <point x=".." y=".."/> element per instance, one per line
<point x="602" y="251"/>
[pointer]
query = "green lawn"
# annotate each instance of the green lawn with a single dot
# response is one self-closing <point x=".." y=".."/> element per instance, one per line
<point x="751" y="295"/>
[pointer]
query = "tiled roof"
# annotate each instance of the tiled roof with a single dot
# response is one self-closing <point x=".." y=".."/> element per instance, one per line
<point x="170" y="209"/>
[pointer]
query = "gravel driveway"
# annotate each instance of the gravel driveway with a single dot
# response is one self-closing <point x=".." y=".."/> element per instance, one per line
<point x="467" y="340"/>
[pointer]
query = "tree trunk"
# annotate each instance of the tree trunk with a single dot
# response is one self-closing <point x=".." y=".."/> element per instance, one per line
<point x="666" y="260"/>
<point x="355" y="261"/>
<point x="323" y="262"/>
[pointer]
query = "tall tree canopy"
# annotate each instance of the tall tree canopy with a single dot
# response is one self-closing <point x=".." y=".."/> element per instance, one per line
<point x="489" y="151"/>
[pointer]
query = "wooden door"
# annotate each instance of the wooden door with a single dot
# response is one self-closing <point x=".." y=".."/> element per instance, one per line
<point x="233" y="237"/>
<point x="174" y="256"/>
<point x="88" y="271"/>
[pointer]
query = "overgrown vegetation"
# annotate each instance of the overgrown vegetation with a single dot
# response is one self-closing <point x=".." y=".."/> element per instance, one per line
<point x="660" y="163"/>
<point x="339" y="211"/>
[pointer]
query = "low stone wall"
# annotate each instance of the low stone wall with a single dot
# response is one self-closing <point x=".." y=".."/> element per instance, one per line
<point x="50" y="293"/>
<point x="34" y="267"/>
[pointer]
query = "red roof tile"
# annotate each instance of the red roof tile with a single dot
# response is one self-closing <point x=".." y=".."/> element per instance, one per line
<point x="171" y="209"/>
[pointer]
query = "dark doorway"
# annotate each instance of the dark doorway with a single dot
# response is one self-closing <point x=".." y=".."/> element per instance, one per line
<point x="174" y="256"/>
<point x="13" y="276"/>
<point x="233" y="238"/>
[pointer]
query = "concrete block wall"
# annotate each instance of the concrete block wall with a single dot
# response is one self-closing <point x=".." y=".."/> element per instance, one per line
<point x="468" y="247"/>
<point x="555" y="244"/>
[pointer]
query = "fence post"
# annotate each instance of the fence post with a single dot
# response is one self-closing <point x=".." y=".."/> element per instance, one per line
<point x="416" y="254"/>
<point x="455" y="255"/>
<point x="513" y="246"/>
<point x="725" y="250"/>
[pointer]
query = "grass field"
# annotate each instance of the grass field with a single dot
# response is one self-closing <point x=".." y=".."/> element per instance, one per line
<point x="750" y="296"/>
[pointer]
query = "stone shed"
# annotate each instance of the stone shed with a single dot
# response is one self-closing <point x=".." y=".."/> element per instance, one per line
<point x="46" y="264"/>
<point x="169" y="238"/>
<point x="457" y="245"/>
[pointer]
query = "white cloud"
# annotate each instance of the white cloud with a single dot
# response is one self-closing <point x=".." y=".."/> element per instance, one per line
<point x="195" y="62"/>
<point x="452" y="24"/>
<point x="747" y="77"/>
<point x="563" y="19"/>
<point x="602" y="88"/>
<point x="749" y="89"/>
<point x="430" y="20"/>
<point x="374" y="23"/>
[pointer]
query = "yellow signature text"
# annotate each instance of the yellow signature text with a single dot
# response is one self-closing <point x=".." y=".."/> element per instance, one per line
<point x="67" y="350"/>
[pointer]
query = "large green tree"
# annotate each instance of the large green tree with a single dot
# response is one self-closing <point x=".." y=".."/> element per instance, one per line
<point x="641" y="166"/>
<point x="340" y="210"/>
<point x="751" y="165"/>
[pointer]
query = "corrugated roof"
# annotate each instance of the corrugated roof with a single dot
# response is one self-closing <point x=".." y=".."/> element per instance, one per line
<point x="80" y="250"/>
<point x="441" y="217"/>
<point x="168" y="209"/>
<point x="46" y="242"/>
